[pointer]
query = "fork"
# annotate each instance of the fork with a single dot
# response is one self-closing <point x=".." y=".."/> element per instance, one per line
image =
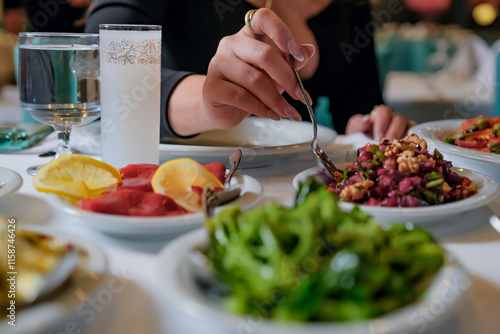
<point x="321" y="158"/>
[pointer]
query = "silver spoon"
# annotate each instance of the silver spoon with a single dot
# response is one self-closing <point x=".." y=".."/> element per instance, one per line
<point x="234" y="161"/>
<point x="321" y="158"/>
<point x="210" y="199"/>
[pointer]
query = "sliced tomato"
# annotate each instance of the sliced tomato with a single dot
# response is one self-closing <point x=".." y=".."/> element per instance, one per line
<point x="492" y="121"/>
<point x="478" y="140"/>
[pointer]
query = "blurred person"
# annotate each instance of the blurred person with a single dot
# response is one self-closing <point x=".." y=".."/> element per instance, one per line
<point x="13" y="21"/>
<point x="14" y="16"/>
<point x="216" y="70"/>
<point x="53" y="15"/>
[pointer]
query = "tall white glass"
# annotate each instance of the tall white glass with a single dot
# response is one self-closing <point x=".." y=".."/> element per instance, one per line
<point x="130" y="74"/>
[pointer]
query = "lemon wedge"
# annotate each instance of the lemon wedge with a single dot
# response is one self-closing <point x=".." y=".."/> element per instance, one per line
<point x="76" y="176"/>
<point x="175" y="179"/>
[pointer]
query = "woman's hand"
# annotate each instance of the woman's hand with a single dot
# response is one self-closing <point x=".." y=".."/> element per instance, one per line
<point x="380" y="123"/>
<point x="247" y="76"/>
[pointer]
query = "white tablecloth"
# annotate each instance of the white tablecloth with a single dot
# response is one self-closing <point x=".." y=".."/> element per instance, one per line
<point x="140" y="306"/>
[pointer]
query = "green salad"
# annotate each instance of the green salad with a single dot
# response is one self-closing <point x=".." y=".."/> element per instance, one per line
<point x="315" y="262"/>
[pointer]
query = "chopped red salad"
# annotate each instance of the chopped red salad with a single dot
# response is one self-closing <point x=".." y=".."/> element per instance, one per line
<point x="401" y="173"/>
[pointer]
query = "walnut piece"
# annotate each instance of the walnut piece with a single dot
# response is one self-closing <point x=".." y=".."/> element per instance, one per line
<point x="355" y="191"/>
<point x="408" y="143"/>
<point x="407" y="162"/>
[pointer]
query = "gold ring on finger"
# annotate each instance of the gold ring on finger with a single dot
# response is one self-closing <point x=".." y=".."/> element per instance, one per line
<point x="248" y="20"/>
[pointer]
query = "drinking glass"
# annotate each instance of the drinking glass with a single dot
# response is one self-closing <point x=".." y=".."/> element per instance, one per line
<point x="59" y="82"/>
<point x="130" y="72"/>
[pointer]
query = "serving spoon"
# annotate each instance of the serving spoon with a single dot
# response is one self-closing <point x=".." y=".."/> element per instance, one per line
<point x="320" y="156"/>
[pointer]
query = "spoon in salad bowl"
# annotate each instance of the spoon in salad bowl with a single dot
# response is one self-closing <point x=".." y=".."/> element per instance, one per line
<point x="320" y="156"/>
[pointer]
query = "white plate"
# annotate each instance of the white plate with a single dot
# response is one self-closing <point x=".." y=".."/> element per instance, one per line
<point x="132" y="226"/>
<point x="488" y="190"/>
<point x="263" y="142"/>
<point x="192" y="311"/>
<point x="59" y="309"/>
<point x="10" y="182"/>
<point x="434" y="132"/>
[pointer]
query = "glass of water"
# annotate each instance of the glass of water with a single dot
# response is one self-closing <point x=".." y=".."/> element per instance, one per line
<point x="59" y="82"/>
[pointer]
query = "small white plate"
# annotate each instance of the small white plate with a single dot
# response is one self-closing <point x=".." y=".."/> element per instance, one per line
<point x="132" y="226"/>
<point x="195" y="312"/>
<point x="434" y="133"/>
<point x="64" y="306"/>
<point x="10" y="182"/>
<point x="263" y="142"/>
<point x="488" y="190"/>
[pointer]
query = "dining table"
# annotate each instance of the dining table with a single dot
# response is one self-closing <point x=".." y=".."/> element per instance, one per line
<point x="138" y="303"/>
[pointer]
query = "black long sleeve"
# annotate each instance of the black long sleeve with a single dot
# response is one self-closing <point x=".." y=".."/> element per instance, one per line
<point x="192" y="29"/>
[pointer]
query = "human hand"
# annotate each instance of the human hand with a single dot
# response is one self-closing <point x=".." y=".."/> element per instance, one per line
<point x="380" y="123"/>
<point x="247" y="75"/>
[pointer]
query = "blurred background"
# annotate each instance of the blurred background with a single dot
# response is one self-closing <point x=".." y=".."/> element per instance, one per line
<point x="437" y="58"/>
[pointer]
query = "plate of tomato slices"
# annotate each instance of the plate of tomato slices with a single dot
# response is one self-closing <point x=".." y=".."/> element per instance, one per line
<point x="133" y="209"/>
<point x="465" y="148"/>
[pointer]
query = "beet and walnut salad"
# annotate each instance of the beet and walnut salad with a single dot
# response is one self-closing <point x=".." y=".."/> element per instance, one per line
<point x="401" y="173"/>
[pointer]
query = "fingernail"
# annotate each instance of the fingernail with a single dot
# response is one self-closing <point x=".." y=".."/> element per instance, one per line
<point x="365" y="118"/>
<point x="292" y="114"/>
<point x="295" y="50"/>
<point x="298" y="95"/>
<point x="272" y="115"/>
<point x="314" y="51"/>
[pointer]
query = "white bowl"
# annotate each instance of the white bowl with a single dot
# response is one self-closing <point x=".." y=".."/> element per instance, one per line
<point x="190" y="310"/>
<point x="10" y="182"/>
<point x="133" y="226"/>
<point x="488" y="190"/>
<point x="435" y="132"/>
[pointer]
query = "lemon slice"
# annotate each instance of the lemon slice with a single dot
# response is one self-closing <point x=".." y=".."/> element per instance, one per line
<point x="175" y="178"/>
<point x="76" y="176"/>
